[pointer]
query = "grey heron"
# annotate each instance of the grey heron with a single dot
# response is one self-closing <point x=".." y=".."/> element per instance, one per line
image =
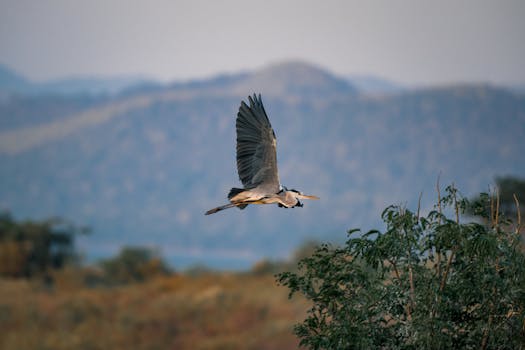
<point x="257" y="162"/>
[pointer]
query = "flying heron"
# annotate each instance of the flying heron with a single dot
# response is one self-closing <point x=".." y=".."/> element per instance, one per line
<point x="257" y="162"/>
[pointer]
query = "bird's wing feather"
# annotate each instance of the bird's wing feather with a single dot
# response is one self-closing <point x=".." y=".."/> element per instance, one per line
<point x="256" y="147"/>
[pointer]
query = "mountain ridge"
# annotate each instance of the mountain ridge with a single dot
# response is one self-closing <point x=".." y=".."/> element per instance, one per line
<point x="12" y="82"/>
<point x="153" y="162"/>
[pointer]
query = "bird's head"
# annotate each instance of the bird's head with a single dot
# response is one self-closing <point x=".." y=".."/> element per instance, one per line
<point x="299" y="195"/>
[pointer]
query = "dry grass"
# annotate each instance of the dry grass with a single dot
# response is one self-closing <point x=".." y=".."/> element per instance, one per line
<point x="215" y="311"/>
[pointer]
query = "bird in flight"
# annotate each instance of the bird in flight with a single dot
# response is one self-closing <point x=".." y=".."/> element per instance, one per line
<point x="257" y="162"/>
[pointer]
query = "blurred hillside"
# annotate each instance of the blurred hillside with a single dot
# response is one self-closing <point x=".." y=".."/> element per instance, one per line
<point x="141" y="166"/>
<point x="14" y="83"/>
<point x="227" y="311"/>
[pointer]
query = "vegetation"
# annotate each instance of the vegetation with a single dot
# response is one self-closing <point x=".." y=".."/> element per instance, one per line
<point x="508" y="190"/>
<point x="32" y="248"/>
<point x="130" y="301"/>
<point x="426" y="282"/>
<point x="134" y="264"/>
<point x="511" y="188"/>
<point x="213" y="311"/>
<point x="433" y="281"/>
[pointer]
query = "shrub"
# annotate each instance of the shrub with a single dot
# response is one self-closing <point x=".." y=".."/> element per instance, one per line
<point x="31" y="248"/>
<point x="134" y="264"/>
<point x="429" y="282"/>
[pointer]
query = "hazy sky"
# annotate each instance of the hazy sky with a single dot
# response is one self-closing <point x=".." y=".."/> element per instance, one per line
<point x="408" y="41"/>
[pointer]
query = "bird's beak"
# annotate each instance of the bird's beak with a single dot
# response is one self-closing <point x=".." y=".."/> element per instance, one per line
<point x="304" y="196"/>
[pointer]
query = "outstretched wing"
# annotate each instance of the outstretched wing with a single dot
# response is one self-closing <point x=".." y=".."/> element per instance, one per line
<point x="256" y="147"/>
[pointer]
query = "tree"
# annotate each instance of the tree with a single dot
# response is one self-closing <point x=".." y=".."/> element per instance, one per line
<point x="134" y="264"/>
<point x="430" y="282"/>
<point x="511" y="189"/>
<point x="29" y="248"/>
<point x="508" y="193"/>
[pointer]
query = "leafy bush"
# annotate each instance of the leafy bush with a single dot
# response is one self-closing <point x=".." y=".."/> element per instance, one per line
<point x="503" y="199"/>
<point x="134" y="264"/>
<point x="29" y="248"/>
<point x="429" y="282"/>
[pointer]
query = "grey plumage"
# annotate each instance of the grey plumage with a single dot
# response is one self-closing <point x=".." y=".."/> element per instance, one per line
<point x="256" y="147"/>
<point x="257" y="162"/>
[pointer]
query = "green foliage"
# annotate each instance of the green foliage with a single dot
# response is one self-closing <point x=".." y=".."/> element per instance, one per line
<point x="134" y="264"/>
<point x="33" y="247"/>
<point x="509" y="187"/>
<point x="507" y="195"/>
<point x="429" y="282"/>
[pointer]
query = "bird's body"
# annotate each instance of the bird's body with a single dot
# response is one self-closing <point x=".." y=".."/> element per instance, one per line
<point x="257" y="162"/>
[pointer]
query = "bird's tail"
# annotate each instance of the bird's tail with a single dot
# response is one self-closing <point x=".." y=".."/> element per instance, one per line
<point x="222" y="207"/>
<point x="234" y="191"/>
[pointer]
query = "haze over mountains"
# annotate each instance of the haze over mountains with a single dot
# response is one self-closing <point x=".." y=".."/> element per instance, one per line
<point x="140" y="164"/>
<point x="12" y="82"/>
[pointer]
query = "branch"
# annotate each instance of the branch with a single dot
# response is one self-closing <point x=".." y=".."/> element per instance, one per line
<point x="518" y="227"/>
<point x="454" y="249"/>
<point x="395" y="269"/>
<point x="497" y="207"/>
<point x="491" y="208"/>
<point x="408" y="307"/>
<point x="412" y="289"/>
<point x="439" y="199"/>
<point x="438" y="252"/>
<point x="447" y="269"/>
<point x="485" y="338"/>
<point x="419" y="204"/>
<point x="456" y="204"/>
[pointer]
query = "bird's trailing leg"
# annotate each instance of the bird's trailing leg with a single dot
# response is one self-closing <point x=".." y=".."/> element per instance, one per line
<point x="222" y="207"/>
<point x="240" y="205"/>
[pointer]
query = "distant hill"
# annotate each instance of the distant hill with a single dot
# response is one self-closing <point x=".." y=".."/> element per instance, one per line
<point x="518" y="88"/>
<point x="14" y="83"/>
<point x="369" y="84"/>
<point x="143" y="166"/>
<point x="291" y="79"/>
<point x="294" y="79"/>
<point x="288" y="78"/>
